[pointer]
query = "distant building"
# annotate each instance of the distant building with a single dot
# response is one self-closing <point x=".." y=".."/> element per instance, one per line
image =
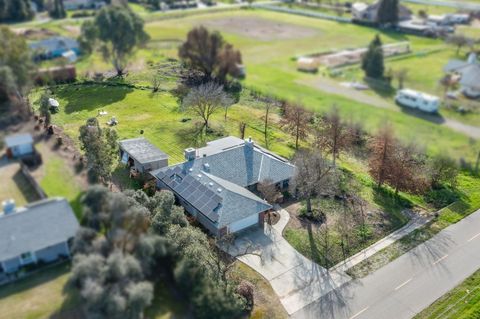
<point x="216" y="183"/>
<point x="142" y="155"/>
<point x="469" y="73"/>
<point x="54" y="47"/>
<point x="369" y="12"/>
<point x="82" y="4"/>
<point x="19" y="145"/>
<point x="39" y="232"/>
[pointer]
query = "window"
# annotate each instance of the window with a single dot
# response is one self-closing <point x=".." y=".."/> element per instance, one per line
<point x="26" y="258"/>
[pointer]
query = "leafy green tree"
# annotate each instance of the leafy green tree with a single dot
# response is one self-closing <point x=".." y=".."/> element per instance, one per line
<point x="58" y="10"/>
<point x="45" y="109"/>
<point x="388" y="12"/>
<point x="15" y="10"/>
<point x="372" y="60"/>
<point x="116" y="31"/>
<point x="100" y="146"/>
<point x="15" y="65"/>
<point x="209" y="53"/>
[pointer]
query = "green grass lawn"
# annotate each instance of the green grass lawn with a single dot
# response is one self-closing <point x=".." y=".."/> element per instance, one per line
<point x="57" y="178"/>
<point x="38" y="296"/>
<point x="15" y="185"/>
<point x="462" y="302"/>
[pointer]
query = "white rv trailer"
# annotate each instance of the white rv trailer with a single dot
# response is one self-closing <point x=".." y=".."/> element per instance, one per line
<point x="418" y="100"/>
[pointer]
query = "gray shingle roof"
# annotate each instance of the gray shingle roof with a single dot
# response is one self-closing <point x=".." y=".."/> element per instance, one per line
<point x="470" y="72"/>
<point x="36" y="226"/>
<point x="142" y="150"/>
<point x="18" y="139"/>
<point x="55" y="43"/>
<point x="230" y="165"/>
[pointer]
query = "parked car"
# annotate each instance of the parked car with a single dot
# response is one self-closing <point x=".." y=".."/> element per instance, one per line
<point x="417" y="100"/>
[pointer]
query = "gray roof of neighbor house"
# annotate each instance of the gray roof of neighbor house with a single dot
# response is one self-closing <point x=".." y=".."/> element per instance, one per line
<point x="18" y="139"/>
<point x="470" y="72"/>
<point x="37" y="225"/>
<point x="142" y="150"/>
<point x="55" y="43"/>
<point x="214" y="183"/>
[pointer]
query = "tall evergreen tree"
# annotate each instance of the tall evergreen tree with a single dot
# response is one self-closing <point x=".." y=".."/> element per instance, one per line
<point x="58" y="10"/>
<point x="372" y="61"/>
<point x="388" y="12"/>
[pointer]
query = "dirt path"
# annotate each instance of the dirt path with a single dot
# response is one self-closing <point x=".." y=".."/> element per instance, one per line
<point x="333" y="87"/>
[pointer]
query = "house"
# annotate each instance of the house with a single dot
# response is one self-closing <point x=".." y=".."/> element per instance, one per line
<point x="469" y="73"/>
<point x="19" y="145"/>
<point x="449" y="19"/>
<point x="82" y="4"/>
<point x="54" y="47"/>
<point x="368" y="12"/>
<point x="142" y="155"/>
<point x="216" y="183"/>
<point x="40" y="232"/>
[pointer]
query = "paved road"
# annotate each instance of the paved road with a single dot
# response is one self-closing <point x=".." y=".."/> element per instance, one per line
<point x="411" y="282"/>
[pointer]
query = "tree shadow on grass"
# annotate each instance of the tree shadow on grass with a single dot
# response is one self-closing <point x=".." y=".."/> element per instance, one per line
<point x="92" y="96"/>
<point x="392" y="204"/>
<point x="26" y="188"/>
<point x="315" y="253"/>
<point x="380" y="87"/>
<point x="33" y="280"/>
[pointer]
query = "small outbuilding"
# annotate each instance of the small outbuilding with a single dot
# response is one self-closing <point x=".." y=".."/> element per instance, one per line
<point x="40" y="232"/>
<point x="19" y="145"/>
<point x="142" y="155"/>
<point x="307" y="64"/>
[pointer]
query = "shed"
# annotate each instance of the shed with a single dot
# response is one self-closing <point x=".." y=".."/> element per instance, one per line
<point x="19" y="145"/>
<point x="142" y="155"/>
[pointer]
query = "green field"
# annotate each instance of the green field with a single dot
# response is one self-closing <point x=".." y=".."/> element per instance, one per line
<point x="463" y="302"/>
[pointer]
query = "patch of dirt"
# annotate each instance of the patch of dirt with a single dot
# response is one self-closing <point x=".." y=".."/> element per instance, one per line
<point x="74" y="30"/>
<point x="272" y="217"/>
<point x="34" y="34"/>
<point x="260" y="28"/>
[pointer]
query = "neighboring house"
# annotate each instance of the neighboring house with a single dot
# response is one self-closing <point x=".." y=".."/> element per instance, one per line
<point x="449" y="19"/>
<point x="82" y="4"/>
<point x="215" y="183"/>
<point x="19" y="145"/>
<point x="54" y="47"/>
<point x="368" y="13"/>
<point x="39" y="232"/>
<point x="469" y="73"/>
<point x="142" y="155"/>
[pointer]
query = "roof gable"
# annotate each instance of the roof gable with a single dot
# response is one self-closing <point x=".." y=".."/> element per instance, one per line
<point x="36" y="226"/>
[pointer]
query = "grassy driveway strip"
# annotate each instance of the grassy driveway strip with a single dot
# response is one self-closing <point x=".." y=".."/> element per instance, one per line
<point x="451" y="214"/>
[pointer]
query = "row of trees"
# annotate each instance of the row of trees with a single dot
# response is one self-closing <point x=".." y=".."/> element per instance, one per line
<point x="132" y="244"/>
<point x="403" y="167"/>
<point x="15" y="10"/>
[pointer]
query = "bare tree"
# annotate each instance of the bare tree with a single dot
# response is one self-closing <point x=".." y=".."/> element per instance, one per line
<point x="459" y="41"/>
<point x="447" y="82"/>
<point x="382" y="148"/>
<point x="241" y="127"/>
<point x="296" y="121"/>
<point x="312" y="177"/>
<point x="268" y="190"/>
<point x="269" y="107"/>
<point x="206" y="99"/>
<point x="406" y="171"/>
<point x="332" y="134"/>
<point x="401" y="76"/>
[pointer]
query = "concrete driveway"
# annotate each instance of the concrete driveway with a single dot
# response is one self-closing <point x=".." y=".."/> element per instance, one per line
<point x="295" y="279"/>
